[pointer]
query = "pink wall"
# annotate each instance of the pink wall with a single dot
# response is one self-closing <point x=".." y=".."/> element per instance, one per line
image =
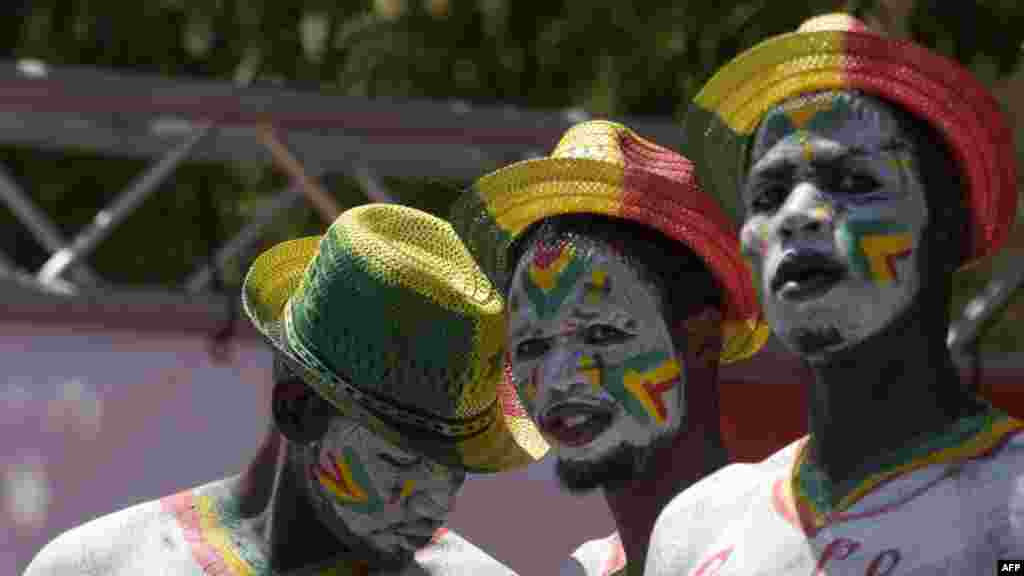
<point x="93" y="421"/>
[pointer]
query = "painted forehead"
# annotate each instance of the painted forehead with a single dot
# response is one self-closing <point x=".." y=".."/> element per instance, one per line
<point x="852" y="118"/>
<point x="577" y="269"/>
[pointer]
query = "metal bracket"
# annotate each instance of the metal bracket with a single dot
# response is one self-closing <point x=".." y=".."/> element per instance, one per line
<point x="106" y="220"/>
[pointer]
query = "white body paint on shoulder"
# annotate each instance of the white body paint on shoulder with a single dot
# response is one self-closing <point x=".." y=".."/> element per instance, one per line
<point x="142" y="539"/>
<point x="688" y="524"/>
<point x="946" y="519"/>
<point x="453" y="555"/>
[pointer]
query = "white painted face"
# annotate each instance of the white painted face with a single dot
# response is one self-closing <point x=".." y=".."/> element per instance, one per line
<point x="835" y="212"/>
<point x="591" y="353"/>
<point x="389" y="499"/>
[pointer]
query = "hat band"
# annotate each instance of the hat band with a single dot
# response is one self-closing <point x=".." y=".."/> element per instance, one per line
<point x="386" y="408"/>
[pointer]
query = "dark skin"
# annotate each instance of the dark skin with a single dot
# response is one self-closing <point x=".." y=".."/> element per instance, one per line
<point x="695" y="450"/>
<point x="913" y="388"/>
<point x="927" y="400"/>
<point x="270" y="487"/>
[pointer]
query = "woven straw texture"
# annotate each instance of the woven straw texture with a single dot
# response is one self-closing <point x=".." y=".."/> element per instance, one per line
<point x="604" y="168"/>
<point x="837" y="52"/>
<point x="388" y="317"/>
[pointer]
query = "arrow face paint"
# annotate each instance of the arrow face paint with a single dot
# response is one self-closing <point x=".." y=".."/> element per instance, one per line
<point x="591" y="330"/>
<point x="363" y="485"/>
<point x="876" y="247"/>
<point x="641" y="382"/>
<point x="551" y="276"/>
<point x="836" y="174"/>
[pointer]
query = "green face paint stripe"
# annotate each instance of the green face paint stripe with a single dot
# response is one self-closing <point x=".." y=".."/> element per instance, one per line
<point x="545" y="304"/>
<point x="777" y="126"/>
<point x="229" y="515"/>
<point x="851" y="233"/>
<point x="616" y="386"/>
<point x="826" y="118"/>
<point x="373" y="502"/>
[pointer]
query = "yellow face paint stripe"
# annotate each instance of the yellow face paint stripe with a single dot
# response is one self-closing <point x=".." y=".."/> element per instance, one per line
<point x="648" y="386"/>
<point x="407" y="488"/>
<point x="590" y="371"/>
<point x="882" y="250"/>
<point x="546" y="277"/>
<point x="340" y="483"/>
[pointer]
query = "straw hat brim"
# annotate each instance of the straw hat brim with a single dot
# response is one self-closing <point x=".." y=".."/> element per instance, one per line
<point x="510" y="440"/>
<point x="521" y="194"/>
<point x="929" y="86"/>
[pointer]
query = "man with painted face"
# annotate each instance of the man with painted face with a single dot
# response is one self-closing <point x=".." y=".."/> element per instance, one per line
<point x="625" y="287"/>
<point x="874" y="170"/>
<point x="381" y="413"/>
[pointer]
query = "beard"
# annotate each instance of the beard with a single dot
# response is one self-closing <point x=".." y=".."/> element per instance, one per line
<point x="611" y="471"/>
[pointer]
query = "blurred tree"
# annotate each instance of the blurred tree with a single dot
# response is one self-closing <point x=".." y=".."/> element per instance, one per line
<point x="619" y="58"/>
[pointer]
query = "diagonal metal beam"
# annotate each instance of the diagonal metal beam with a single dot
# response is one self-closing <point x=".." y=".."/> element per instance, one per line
<point x="283" y="158"/>
<point x="105" y="221"/>
<point x="372" y="186"/>
<point x="983" y="309"/>
<point x="39" y="224"/>
<point x="263" y="216"/>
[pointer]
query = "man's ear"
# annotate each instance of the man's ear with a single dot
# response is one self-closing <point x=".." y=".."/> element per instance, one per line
<point x="300" y="414"/>
<point x="701" y="332"/>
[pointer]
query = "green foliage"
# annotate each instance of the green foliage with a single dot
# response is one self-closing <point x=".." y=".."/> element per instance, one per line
<point x="610" y="58"/>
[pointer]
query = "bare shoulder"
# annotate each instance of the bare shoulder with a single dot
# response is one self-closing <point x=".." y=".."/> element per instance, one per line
<point x="101" y="547"/>
<point x="696" y="516"/>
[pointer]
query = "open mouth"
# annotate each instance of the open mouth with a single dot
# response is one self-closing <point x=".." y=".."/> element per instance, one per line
<point x="803" y="276"/>
<point x="576" y="423"/>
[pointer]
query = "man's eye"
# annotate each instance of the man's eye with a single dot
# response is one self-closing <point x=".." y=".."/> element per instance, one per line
<point x="604" y="334"/>
<point x="533" y="348"/>
<point x="854" y="183"/>
<point x="396" y="462"/>
<point x="767" y="198"/>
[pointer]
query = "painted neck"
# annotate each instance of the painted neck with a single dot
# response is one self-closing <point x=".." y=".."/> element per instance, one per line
<point x="903" y="380"/>
<point x="269" y="493"/>
<point x="695" y="452"/>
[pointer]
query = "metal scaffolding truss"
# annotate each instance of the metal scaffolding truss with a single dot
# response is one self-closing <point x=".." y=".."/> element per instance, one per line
<point x="306" y="134"/>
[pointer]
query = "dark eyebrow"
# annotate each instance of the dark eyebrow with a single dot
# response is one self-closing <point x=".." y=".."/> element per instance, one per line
<point x="581" y="315"/>
<point x="522" y="331"/>
<point x="828" y="158"/>
<point x="780" y="169"/>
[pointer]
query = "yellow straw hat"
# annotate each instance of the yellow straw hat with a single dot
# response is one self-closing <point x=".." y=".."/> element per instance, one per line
<point x="388" y="318"/>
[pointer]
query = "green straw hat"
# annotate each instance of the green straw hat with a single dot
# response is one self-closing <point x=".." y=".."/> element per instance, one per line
<point x="388" y="317"/>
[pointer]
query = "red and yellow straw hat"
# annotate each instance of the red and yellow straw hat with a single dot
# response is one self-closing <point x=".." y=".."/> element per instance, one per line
<point x="606" y="169"/>
<point x="838" y="52"/>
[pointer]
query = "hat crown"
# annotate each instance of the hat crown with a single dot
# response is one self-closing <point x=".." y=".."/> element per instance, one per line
<point x="836" y="21"/>
<point x="394" y="303"/>
<point x="595" y="140"/>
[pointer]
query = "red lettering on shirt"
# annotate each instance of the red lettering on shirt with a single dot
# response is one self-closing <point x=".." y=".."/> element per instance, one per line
<point x="840" y="549"/>
<point x="712" y="565"/>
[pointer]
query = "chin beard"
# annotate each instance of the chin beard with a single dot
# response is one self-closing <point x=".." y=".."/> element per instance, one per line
<point x="612" y="471"/>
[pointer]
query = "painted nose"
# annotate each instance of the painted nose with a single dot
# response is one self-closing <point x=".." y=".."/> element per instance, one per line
<point x="804" y="215"/>
<point x="559" y="376"/>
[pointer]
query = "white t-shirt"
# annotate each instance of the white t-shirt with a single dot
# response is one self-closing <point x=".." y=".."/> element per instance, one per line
<point x="601" y="557"/>
<point x="956" y="510"/>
